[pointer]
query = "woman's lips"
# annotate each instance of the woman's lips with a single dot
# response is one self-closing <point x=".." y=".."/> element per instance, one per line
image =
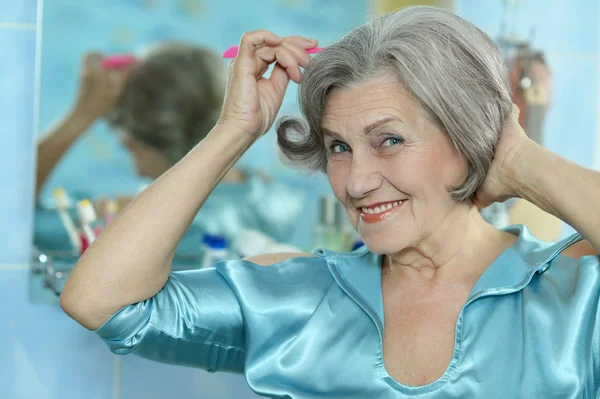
<point x="380" y="212"/>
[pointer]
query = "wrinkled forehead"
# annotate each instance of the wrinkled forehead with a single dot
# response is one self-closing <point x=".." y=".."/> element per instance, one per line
<point x="364" y="103"/>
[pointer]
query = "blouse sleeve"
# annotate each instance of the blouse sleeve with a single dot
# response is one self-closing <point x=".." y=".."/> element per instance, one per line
<point x="589" y="270"/>
<point x="595" y="368"/>
<point x="195" y="320"/>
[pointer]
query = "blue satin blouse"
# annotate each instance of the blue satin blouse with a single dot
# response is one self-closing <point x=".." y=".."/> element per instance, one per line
<point x="313" y="327"/>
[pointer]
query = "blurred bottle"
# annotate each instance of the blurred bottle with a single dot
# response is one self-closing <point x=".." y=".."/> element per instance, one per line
<point x="345" y="235"/>
<point x="357" y="244"/>
<point x="111" y="208"/>
<point x="215" y="250"/>
<point x="324" y="230"/>
<point x="252" y="242"/>
<point x="333" y="229"/>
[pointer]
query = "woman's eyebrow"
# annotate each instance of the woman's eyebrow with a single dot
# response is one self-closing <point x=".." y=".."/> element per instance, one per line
<point x="331" y="133"/>
<point x="366" y="130"/>
<point x="381" y="122"/>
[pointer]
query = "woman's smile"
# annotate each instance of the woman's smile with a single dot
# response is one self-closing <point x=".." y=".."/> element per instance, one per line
<point x="378" y="212"/>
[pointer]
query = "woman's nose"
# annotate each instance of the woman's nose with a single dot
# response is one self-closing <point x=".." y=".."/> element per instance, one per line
<point x="363" y="178"/>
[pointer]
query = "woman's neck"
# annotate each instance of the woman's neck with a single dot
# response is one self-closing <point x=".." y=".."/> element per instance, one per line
<point x="462" y="247"/>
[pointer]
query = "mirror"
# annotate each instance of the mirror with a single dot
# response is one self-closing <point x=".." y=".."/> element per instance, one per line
<point x="126" y="89"/>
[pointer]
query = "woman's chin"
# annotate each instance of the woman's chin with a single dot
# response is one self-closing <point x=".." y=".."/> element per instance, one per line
<point x="385" y="244"/>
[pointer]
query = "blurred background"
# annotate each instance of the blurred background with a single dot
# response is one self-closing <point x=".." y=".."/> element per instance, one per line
<point x="551" y="49"/>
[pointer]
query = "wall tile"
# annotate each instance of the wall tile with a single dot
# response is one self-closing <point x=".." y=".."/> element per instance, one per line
<point x="44" y="354"/>
<point x="143" y="379"/>
<point x="570" y="127"/>
<point x="18" y="11"/>
<point x="16" y="143"/>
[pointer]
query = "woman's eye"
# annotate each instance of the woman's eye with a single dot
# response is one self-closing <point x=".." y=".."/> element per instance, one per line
<point x="338" y="147"/>
<point x="390" y="141"/>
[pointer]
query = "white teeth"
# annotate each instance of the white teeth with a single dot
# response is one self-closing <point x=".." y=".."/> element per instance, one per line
<point x="382" y="208"/>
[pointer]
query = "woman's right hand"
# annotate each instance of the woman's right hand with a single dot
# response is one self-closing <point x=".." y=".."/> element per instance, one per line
<point x="252" y="100"/>
<point x="99" y="89"/>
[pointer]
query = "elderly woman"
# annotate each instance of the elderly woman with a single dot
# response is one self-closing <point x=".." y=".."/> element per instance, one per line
<point x="411" y="119"/>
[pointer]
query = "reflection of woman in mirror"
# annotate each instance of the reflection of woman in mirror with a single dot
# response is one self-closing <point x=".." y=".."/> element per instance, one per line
<point x="99" y="91"/>
<point x="410" y="117"/>
<point x="162" y="106"/>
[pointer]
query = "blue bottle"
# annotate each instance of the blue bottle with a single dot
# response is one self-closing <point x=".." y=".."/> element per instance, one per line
<point x="215" y="249"/>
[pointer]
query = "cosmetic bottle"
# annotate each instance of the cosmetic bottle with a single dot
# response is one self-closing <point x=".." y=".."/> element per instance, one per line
<point x="324" y="229"/>
<point x="214" y="248"/>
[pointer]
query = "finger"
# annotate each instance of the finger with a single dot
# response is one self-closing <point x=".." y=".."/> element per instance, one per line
<point x="299" y="53"/>
<point x="262" y="72"/>
<point x="303" y="42"/>
<point x="283" y="56"/>
<point x="118" y="79"/>
<point x="114" y="78"/>
<point x="286" y="59"/>
<point x="266" y="56"/>
<point x="92" y="60"/>
<point x="279" y="78"/>
<point x="266" y="53"/>
<point x="251" y="40"/>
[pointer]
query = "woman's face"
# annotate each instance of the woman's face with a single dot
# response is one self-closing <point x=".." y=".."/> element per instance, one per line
<point x="388" y="164"/>
<point x="149" y="162"/>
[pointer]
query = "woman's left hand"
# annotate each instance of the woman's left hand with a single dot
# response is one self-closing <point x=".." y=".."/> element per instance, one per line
<point x="500" y="183"/>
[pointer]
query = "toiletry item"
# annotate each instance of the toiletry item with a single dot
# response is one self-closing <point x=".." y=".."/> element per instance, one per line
<point x="324" y="231"/>
<point x="111" y="207"/>
<point x="232" y="51"/>
<point x="251" y="243"/>
<point x="357" y="244"/>
<point x="87" y="219"/>
<point x="118" y="61"/>
<point x="341" y="237"/>
<point x="345" y="234"/>
<point x="85" y="244"/>
<point x="62" y="206"/>
<point x="215" y="249"/>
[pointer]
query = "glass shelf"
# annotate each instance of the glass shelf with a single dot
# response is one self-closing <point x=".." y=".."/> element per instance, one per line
<point x="50" y="270"/>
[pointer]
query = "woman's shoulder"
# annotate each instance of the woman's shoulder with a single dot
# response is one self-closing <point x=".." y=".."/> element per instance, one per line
<point x="538" y="253"/>
<point x="579" y="250"/>
<point x="299" y="257"/>
<point x="273" y="259"/>
<point x="290" y="269"/>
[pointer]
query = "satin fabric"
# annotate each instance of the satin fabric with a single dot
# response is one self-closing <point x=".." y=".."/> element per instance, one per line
<point x="313" y="327"/>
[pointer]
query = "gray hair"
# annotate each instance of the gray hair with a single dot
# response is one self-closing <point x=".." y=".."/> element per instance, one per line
<point x="451" y="67"/>
<point x="172" y="99"/>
